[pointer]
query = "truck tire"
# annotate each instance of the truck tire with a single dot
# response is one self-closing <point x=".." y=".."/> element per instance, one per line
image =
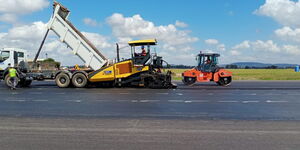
<point x="25" y="83"/>
<point x="8" y="82"/>
<point x="79" y="80"/>
<point x="62" y="80"/>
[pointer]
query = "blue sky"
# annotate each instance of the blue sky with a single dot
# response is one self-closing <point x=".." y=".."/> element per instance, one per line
<point x="245" y="30"/>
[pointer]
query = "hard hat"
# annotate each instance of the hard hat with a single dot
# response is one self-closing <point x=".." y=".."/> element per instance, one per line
<point x="143" y="46"/>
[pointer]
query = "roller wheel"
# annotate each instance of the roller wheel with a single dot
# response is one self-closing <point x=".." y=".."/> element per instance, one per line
<point x="62" y="80"/>
<point x="224" y="81"/>
<point x="79" y="80"/>
<point x="189" y="80"/>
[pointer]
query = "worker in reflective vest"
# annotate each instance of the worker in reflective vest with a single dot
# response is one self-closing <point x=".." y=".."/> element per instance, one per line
<point x="13" y="76"/>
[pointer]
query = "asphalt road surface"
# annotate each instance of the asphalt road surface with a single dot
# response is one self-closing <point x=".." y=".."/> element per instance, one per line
<point x="245" y="115"/>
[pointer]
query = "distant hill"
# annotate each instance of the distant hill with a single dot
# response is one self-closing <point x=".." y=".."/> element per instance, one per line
<point x="261" y="65"/>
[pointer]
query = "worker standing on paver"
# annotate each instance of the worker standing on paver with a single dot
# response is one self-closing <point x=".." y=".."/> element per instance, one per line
<point x="13" y="76"/>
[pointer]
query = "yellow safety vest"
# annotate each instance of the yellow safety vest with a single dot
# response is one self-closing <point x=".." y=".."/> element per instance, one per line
<point x="12" y="72"/>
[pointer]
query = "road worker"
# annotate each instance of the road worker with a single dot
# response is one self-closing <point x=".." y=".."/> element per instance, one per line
<point x="13" y="76"/>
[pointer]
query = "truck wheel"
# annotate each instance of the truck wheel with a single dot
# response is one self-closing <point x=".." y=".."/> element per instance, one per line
<point x="8" y="82"/>
<point x="62" y="80"/>
<point x="79" y="80"/>
<point x="25" y="83"/>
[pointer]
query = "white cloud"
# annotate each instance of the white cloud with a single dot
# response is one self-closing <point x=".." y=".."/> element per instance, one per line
<point x="29" y="37"/>
<point x="22" y="6"/>
<point x="286" y="12"/>
<point x="98" y="40"/>
<point x="137" y="27"/>
<point x="90" y="22"/>
<point x="221" y="47"/>
<point x="10" y="18"/>
<point x="11" y="9"/>
<point x="180" y="24"/>
<point x="288" y="34"/>
<point x="235" y="53"/>
<point x="291" y="49"/>
<point x="170" y="39"/>
<point x="243" y="45"/>
<point x="265" y="46"/>
<point x="211" y="41"/>
<point x="258" y="45"/>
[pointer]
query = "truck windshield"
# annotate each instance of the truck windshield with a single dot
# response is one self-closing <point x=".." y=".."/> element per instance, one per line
<point x="4" y="55"/>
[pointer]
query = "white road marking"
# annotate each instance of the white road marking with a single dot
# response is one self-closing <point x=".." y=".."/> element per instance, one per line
<point x="179" y="94"/>
<point x="188" y="101"/>
<point x="76" y="101"/>
<point x="162" y="93"/>
<point x="16" y="100"/>
<point x="269" y="101"/>
<point x="147" y="101"/>
<point x="250" y="102"/>
<point x="227" y="101"/>
<point x="41" y="100"/>
<point x="199" y="101"/>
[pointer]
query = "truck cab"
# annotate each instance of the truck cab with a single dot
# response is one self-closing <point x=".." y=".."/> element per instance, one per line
<point x="11" y="56"/>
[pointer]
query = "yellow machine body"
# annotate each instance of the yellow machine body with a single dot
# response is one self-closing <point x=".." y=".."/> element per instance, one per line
<point x="118" y="70"/>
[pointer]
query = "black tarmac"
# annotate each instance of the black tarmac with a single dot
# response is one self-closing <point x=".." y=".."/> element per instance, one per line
<point x="247" y="115"/>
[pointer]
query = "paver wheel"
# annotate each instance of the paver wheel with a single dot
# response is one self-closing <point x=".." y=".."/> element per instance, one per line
<point x="79" y="80"/>
<point x="62" y="80"/>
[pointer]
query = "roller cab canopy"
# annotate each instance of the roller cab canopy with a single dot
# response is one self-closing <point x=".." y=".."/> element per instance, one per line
<point x="143" y="42"/>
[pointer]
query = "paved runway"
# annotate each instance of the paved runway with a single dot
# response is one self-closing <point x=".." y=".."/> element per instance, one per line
<point x="246" y="100"/>
<point x="247" y="115"/>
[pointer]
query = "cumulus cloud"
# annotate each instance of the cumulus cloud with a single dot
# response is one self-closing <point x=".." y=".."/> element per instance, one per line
<point x="137" y="27"/>
<point x="288" y="34"/>
<point x="98" y="40"/>
<point x="243" y="45"/>
<point x="269" y="47"/>
<point x="291" y="49"/>
<point x="265" y="46"/>
<point x="29" y="37"/>
<point x="221" y="47"/>
<point x="286" y="12"/>
<point x="170" y="38"/>
<point x="90" y="22"/>
<point x="11" y="9"/>
<point x="211" y="41"/>
<point x="235" y="53"/>
<point x="180" y="24"/>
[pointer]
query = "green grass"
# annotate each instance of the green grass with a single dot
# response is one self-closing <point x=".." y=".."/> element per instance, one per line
<point x="253" y="74"/>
